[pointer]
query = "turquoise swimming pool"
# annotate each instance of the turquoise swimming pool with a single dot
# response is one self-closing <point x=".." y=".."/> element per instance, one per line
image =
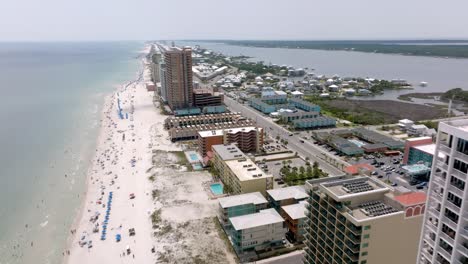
<point x="193" y="157"/>
<point x="216" y="188"/>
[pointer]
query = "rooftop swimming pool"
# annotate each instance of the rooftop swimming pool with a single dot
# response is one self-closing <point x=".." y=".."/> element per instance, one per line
<point x="216" y="188"/>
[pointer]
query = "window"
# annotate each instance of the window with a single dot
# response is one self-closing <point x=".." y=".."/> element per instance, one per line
<point x="366" y="236"/>
<point x="460" y="165"/>
<point x="364" y="245"/>
<point x="364" y="262"/>
<point x="367" y="227"/>
<point x="364" y="253"/>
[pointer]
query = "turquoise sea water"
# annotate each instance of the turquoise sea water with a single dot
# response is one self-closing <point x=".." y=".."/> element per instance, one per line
<point x="51" y="97"/>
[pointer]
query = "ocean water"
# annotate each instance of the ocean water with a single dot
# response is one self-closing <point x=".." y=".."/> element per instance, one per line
<point x="51" y="97"/>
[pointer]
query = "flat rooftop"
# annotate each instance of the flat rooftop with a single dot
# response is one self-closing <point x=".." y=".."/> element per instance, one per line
<point x="342" y="189"/>
<point x="410" y="199"/>
<point x="372" y="209"/>
<point x="241" y="199"/>
<point x="228" y="152"/>
<point x="295" y="211"/>
<point x="262" y="218"/>
<point x="296" y="192"/>
<point x="220" y="132"/>
<point x="429" y="149"/>
<point x="246" y="170"/>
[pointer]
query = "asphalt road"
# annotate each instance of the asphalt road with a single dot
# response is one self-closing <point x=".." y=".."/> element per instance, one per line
<point x="305" y="149"/>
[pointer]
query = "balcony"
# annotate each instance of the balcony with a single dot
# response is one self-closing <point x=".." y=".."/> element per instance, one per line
<point x="444" y="147"/>
<point x="353" y="247"/>
<point x="455" y="189"/>
<point x="460" y="155"/>
<point x="454" y="208"/>
<point x="355" y="230"/>
<point x="354" y="239"/>
<point x="446" y="247"/>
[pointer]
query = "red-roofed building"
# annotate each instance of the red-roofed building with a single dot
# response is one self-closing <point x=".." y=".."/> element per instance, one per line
<point x="357" y="169"/>
<point x="414" y="203"/>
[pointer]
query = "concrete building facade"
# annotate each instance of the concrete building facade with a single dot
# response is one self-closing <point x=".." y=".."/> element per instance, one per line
<point x="286" y="196"/>
<point x="248" y="139"/>
<point x="444" y="238"/>
<point x="238" y="173"/>
<point x="295" y="218"/>
<point x="178" y="77"/>
<point x="242" y="204"/>
<point x="360" y="220"/>
<point x="257" y="231"/>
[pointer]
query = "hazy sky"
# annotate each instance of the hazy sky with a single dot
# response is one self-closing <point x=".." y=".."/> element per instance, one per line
<point x="43" y="20"/>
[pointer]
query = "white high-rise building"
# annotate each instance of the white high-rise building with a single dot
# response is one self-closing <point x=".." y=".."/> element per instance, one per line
<point x="444" y="238"/>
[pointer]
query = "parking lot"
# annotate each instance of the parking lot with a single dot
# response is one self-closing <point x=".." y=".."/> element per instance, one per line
<point x="387" y="168"/>
<point x="272" y="147"/>
<point x="274" y="167"/>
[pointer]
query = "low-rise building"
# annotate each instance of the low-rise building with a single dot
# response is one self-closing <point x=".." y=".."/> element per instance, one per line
<point x="404" y="124"/>
<point x="416" y="130"/>
<point x="419" y="150"/>
<point x="377" y="147"/>
<point x="315" y="122"/>
<point x="242" y="204"/>
<point x="291" y="116"/>
<point x="359" y="169"/>
<point x="257" y="231"/>
<point x="286" y="196"/>
<point x="294" y="216"/>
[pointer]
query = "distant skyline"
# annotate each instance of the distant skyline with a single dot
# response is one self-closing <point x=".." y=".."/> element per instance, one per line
<point x="87" y="20"/>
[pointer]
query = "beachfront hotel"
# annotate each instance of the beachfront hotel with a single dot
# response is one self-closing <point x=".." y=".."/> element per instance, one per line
<point x="238" y="173"/>
<point x="178" y="79"/>
<point x="242" y="204"/>
<point x="444" y="237"/>
<point x="360" y="220"/>
<point x="257" y="231"/>
<point x="248" y="139"/>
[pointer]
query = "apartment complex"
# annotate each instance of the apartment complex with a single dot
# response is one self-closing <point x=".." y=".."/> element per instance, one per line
<point x="257" y="231"/>
<point x="295" y="218"/>
<point x="187" y="121"/>
<point x="444" y="237"/>
<point x="286" y="196"/>
<point x="360" y="220"/>
<point x="178" y="82"/>
<point x="187" y="127"/>
<point x="248" y="139"/>
<point x="241" y="204"/>
<point x="238" y="173"/>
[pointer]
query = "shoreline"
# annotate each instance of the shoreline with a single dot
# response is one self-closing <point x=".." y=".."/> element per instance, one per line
<point x="104" y="124"/>
<point x="80" y="212"/>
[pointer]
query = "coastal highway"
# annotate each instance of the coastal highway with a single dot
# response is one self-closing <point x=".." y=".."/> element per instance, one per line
<point x="305" y="149"/>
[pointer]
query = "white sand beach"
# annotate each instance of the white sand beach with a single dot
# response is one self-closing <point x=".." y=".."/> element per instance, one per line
<point x="128" y="152"/>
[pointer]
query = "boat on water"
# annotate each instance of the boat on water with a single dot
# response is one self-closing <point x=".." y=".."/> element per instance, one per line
<point x="423" y="84"/>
